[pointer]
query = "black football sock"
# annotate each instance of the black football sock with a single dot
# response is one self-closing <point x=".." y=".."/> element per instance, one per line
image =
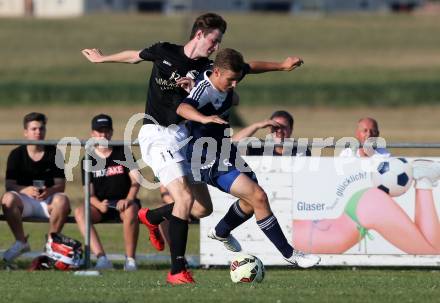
<point x="178" y="233"/>
<point x="272" y="230"/>
<point x="233" y="218"/>
<point x="158" y="215"/>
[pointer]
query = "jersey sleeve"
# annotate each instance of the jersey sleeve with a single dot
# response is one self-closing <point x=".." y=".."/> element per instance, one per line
<point x="151" y="53"/>
<point x="12" y="166"/>
<point x="198" y="95"/>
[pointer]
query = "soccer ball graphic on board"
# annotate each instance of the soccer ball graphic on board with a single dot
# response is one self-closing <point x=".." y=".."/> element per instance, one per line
<point x="394" y="176"/>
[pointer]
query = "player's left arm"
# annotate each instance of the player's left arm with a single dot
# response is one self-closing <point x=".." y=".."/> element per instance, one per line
<point x="189" y="112"/>
<point x="288" y="64"/>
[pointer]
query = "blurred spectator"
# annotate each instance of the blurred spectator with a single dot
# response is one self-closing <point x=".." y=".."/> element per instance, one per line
<point x="34" y="186"/>
<point x="113" y="191"/>
<point x="367" y="130"/>
<point x="281" y="127"/>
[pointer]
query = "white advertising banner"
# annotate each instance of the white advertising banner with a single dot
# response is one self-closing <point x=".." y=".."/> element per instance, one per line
<point x="348" y="210"/>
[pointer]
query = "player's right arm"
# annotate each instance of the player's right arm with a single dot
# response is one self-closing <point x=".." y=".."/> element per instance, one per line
<point x="196" y="99"/>
<point x="96" y="56"/>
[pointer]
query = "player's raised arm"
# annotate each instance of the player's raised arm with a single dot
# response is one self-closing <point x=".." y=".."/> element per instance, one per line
<point x="96" y="56"/>
<point x="288" y="64"/>
<point x="189" y="112"/>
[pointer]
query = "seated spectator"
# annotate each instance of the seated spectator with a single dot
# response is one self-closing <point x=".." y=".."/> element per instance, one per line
<point x="113" y="191"/>
<point x="34" y="186"/>
<point x="367" y="129"/>
<point x="281" y="127"/>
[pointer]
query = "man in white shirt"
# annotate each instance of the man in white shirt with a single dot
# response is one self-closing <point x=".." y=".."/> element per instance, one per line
<point x="367" y="129"/>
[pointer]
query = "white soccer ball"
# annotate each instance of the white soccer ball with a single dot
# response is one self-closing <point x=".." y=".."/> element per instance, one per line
<point x="246" y="269"/>
<point x="394" y="176"/>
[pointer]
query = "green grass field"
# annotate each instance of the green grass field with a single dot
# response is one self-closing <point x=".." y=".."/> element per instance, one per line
<point x="110" y="234"/>
<point x="280" y="285"/>
<point x="349" y="59"/>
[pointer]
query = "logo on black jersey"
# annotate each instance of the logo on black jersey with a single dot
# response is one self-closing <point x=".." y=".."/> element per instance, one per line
<point x="166" y="62"/>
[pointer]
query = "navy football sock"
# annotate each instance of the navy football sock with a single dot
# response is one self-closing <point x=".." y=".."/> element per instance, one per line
<point x="272" y="230"/>
<point x="178" y="233"/>
<point x="233" y="218"/>
<point x="158" y="215"/>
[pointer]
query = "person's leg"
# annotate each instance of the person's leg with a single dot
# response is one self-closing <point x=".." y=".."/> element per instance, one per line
<point x="241" y="210"/>
<point x="13" y="207"/>
<point x="157" y="220"/>
<point x="163" y="226"/>
<point x="178" y="225"/>
<point x="131" y="229"/>
<point x="238" y="213"/>
<point x="222" y="178"/>
<point x="95" y="216"/>
<point x="377" y="210"/>
<point x="233" y="218"/>
<point x="426" y="217"/>
<point x="160" y="150"/>
<point x="328" y="236"/>
<point x="426" y="174"/>
<point x="58" y="209"/>
<point x="131" y="233"/>
<point x="202" y="206"/>
<point x="251" y="193"/>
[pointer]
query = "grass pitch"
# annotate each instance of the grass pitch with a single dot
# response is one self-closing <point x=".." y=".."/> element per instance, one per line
<point x="349" y="59"/>
<point x="279" y="285"/>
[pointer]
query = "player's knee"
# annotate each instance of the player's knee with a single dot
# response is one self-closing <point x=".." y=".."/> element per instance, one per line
<point x="9" y="200"/>
<point x="260" y="197"/>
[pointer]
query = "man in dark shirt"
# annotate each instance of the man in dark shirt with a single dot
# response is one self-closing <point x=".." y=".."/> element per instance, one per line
<point x="34" y="186"/>
<point x="161" y="145"/>
<point x="113" y="191"/>
<point x="281" y="127"/>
